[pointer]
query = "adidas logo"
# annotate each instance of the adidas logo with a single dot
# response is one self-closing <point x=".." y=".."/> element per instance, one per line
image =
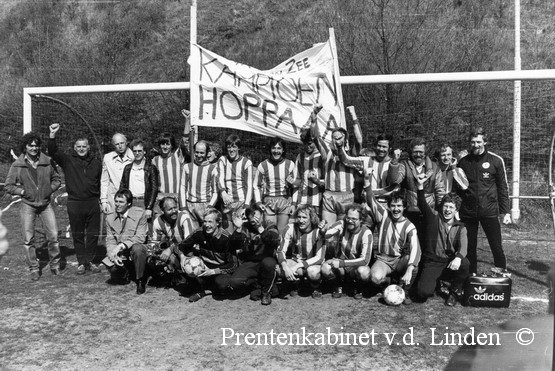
<point x="480" y="289"/>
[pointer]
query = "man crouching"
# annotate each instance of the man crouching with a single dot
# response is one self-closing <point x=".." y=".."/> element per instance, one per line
<point x="126" y="234"/>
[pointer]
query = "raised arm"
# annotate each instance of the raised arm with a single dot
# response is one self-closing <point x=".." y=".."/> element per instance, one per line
<point x="52" y="146"/>
<point x="357" y="130"/>
<point x="311" y="127"/>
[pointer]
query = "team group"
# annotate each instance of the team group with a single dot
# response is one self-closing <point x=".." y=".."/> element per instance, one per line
<point x="340" y="214"/>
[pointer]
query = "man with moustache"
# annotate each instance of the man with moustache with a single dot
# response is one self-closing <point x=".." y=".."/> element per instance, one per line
<point x="82" y="176"/>
<point x="113" y="164"/>
<point x="487" y="196"/>
<point x="235" y="180"/>
<point x="304" y="244"/>
<point x="418" y="166"/>
<point x="398" y="252"/>
<point x="352" y="253"/>
<point x="34" y="177"/>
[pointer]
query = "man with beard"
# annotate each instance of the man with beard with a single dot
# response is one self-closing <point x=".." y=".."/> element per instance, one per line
<point x="352" y="253"/>
<point x="398" y="252"/>
<point x="126" y="235"/>
<point x="234" y="180"/>
<point x="257" y="243"/>
<point x="487" y="196"/>
<point x="34" y="177"/>
<point x="211" y="244"/>
<point x="112" y="170"/>
<point x="303" y="241"/>
<point x="444" y="248"/>
<point x="82" y="175"/>
<point x="273" y="184"/>
<point x="199" y="184"/>
<point x="418" y="166"/>
<point x="168" y="230"/>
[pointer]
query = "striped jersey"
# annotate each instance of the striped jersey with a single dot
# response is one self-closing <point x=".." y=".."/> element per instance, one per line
<point x="270" y="179"/>
<point x="395" y="239"/>
<point x="170" y="169"/>
<point x="338" y="177"/>
<point x="198" y="182"/>
<point x="354" y="249"/>
<point x="379" y="175"/>
<point x="303" y="247"/>
<point x="235" y="177"/>
<point x="454" y="179"/>
<point x="308" y="193"/>
<point x="163" y="231"/>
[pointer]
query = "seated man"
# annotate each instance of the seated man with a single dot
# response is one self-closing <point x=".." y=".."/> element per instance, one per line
<point x="211" y="244"/>
<point x="168" y="230"/>
<point x="398" y="251"/>
<point x="126" y="234"/>
<point x="352" y="254"/>
<point x="257" y="244"/>
<point x="444" y="249"/>
<point x="305" y="244"/>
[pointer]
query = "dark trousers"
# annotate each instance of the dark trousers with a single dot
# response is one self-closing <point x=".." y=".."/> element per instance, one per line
<point x="431" y="271"/>
<point x="84" y="220"/>
<point x="217" y="283"/>
<point x="417" y="219"/>
<point x="246" y="275"/>
<point x="135" y="262"/>
<point x="492" y="229"/>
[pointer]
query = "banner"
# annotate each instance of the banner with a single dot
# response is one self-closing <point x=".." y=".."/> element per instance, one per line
<point x="275" y="102"/>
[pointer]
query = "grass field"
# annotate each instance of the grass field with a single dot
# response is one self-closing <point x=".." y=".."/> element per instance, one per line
<point x="81" y="322"/>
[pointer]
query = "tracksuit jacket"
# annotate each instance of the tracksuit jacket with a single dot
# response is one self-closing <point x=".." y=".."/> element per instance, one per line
<point x="488" y="192"/>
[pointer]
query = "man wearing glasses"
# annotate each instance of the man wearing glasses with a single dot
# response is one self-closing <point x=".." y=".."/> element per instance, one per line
<point x="352" y="253"/>
<point x="141" y="178"/>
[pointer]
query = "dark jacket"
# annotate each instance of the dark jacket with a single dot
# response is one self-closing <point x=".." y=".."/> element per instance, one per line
<point x="404" y="174"/>
<point x="488" y="192"/>
<point x="438" y="243"/>
<point x="214" y="250"/>
<point x="82" y="174"/>
<point x="151" y="182"/>
<point x="37" y="192"/>
<point x="254" y="246"/>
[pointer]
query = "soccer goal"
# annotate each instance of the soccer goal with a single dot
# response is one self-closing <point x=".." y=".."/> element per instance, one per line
<point x="439" y="107"/>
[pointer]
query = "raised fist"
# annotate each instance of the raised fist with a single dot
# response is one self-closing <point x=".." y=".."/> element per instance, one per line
<point x="397" y="154"/>
<point x="54" y="128"/>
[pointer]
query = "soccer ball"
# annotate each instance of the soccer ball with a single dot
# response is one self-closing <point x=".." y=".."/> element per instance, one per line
<point x="394" y="295"/>
<point x="194" y="266"/>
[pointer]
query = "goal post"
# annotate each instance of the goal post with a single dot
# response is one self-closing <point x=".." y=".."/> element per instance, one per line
<point x="377" y="118"/>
